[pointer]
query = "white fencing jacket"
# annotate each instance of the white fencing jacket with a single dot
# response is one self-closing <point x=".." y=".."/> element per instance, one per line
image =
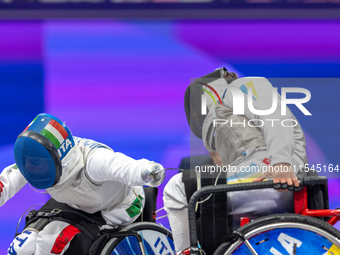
<point x="237" y="134"/>
<point x="94" y="178"/>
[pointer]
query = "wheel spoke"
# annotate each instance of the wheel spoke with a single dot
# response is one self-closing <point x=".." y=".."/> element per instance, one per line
<point x="252" y="250"/>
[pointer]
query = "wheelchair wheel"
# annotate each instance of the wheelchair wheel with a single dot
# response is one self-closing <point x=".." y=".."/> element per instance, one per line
<point x="157" y="240"/>
<point x="283" y="234"/>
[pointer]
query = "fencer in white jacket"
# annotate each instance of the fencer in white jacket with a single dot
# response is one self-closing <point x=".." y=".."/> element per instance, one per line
<point x="84" y="174"/>
<point x="249" y="145"/>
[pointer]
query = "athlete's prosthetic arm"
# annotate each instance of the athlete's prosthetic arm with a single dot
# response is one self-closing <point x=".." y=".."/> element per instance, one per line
<point x="279" y="139"/>
<point x="105" y="165"/>
<point x="11" y="181"/>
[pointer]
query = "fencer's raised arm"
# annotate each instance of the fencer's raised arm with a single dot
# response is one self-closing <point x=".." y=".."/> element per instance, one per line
<point x="105" y="164"/>
<point x="11" y="181"/>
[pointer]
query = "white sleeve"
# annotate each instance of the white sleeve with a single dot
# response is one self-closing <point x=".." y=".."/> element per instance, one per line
<point x="279" y="139"/>
<point x="12" y="181"/>
<point x="107" y="165"/>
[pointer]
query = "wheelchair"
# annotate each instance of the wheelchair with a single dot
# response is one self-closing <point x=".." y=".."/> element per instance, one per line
<point x="280" y="234"/>
<point x="143" y="237"/>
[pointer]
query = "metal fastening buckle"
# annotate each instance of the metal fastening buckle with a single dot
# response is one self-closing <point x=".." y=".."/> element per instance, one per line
<point x="55" y="212"/>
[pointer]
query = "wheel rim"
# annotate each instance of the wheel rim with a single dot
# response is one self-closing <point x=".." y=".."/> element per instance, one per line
<point x="154" y="243"/>
<point x="313" y="240"/>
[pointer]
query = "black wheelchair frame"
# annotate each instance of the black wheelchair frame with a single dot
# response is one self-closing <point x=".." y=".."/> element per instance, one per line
<point x="222" y="188"/>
